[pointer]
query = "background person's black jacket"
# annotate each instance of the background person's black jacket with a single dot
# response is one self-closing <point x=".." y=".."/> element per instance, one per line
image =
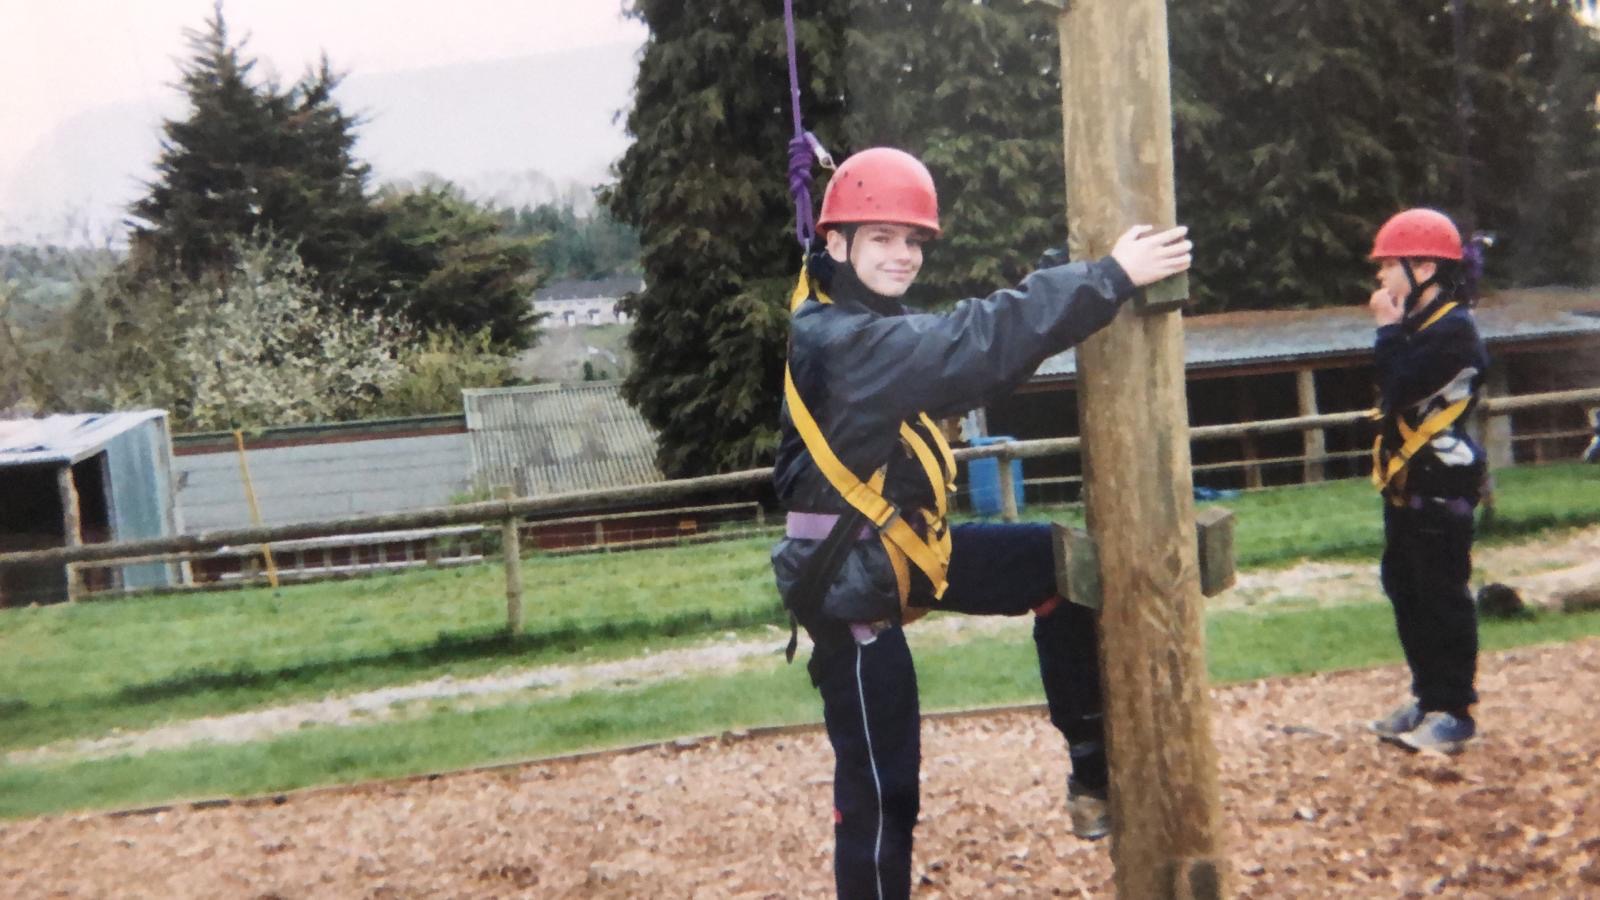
<point x="1422" y="370"/>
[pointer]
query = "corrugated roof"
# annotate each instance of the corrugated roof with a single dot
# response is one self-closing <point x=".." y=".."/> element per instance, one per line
<point x="549" y="439"/>
<point x="1244" y="338"/>
<point x="65" y="438"/>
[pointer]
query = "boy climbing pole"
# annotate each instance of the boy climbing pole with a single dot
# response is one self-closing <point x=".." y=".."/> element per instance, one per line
<point x="866" y="476"/>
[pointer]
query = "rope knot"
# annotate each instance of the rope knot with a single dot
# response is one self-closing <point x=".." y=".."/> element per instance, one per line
<point x="800" y="161"/>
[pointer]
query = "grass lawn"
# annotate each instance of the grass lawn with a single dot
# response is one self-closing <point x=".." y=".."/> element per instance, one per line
<point x="83" y="670"/>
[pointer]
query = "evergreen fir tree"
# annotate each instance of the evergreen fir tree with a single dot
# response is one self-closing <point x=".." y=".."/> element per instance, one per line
<point x="1300" y="129"/>
<point x="253" y="160"/>
<point x="449" y="265"/>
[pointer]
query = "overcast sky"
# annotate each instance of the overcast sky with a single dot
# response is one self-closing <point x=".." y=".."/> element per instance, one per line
<point x="62" y="57"/>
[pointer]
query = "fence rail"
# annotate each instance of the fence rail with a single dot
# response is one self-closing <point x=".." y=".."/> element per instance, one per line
<point x="584" y="506"/>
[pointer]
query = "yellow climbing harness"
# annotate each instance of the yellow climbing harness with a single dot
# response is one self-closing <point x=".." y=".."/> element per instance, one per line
<point x="905" y="547"/>
<point x="1389" y="469"/>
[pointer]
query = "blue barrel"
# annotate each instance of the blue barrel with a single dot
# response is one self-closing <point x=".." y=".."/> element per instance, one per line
<point x="983" y="476"/>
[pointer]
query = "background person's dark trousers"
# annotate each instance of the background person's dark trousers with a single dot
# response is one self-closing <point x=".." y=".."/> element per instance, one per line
<point x="1427" y="563"/>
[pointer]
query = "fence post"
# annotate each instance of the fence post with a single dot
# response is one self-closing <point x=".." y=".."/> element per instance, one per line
<point x="1008" y="488"/>
<point x="72" y="526"/>
<point x="1316" y="446"/>
<point x="511" y="552"/>
<point x="1249" y="451"/>
<point x="1495" y="431"/>
<point x="1494" y="435"/>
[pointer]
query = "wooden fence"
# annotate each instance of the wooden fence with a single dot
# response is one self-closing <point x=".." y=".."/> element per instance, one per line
<point x="512" y="514"/>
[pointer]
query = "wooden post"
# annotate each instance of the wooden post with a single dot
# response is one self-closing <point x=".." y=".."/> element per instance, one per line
<point x="1166" y="812"/>
<point x="1494" y="435"/>
<point x="1316" y="443"/>
<point x="1247" y="441"/>
<point x="1494" y="432"/>
<point x="511" y="551"/>
<point x="71" y="526"/>
<point x="1217" y="572"/>
<point x="1008" y="488"/>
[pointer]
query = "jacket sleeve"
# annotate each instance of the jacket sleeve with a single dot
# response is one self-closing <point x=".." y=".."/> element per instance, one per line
<point x="951" y="362"/>
<point x="1413" y="368"/>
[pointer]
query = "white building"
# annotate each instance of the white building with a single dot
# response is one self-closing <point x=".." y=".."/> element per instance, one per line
<point x="572" y="303"/>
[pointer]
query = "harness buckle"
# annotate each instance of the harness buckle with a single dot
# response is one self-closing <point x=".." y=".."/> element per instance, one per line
<point x="894" y="514"/>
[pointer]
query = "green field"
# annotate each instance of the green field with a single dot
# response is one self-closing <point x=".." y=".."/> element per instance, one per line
<point x="96" y="669"/>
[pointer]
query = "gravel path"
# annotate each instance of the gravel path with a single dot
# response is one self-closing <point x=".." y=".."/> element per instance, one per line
<point x="1313" y="807"/>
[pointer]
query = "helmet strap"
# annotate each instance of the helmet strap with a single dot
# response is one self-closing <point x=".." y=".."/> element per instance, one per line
<point x="1415" y="297"/>
<point x="1411" y="278"/>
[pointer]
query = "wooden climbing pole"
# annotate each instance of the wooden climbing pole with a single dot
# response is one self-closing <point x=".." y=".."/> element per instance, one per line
<point x="1117" y="113"/>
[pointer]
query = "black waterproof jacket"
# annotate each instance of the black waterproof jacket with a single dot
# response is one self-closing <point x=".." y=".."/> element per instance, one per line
<point x="864" y="364"/>
<point x="1425" y="369"/>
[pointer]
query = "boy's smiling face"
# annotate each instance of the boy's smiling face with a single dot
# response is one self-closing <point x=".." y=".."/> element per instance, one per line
<point x="886" y="256"/>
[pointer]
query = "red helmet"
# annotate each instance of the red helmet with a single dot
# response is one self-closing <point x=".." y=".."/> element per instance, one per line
<point x="881" y="184"/>
<point x="1419" y="232"/>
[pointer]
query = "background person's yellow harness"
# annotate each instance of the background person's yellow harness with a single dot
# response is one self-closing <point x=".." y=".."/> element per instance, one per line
<point x="902" y="543"/>
<point x="1389" y="467"/>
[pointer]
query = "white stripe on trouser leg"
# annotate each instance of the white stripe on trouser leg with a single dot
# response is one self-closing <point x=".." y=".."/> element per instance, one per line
<point x="877" y="785"/>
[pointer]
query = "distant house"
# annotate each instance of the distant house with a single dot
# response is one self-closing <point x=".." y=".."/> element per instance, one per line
<point x="1246" y="366"/>
<point x="572" y="303"/>
<point x="87" y="478"/>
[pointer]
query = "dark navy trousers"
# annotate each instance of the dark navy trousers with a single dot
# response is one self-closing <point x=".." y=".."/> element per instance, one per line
<point x="1427" y="563"/>
<point x="869" y="698"/>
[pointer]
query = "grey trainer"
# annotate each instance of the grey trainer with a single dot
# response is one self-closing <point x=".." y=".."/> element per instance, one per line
<point x="1401" y="720"/>
<point x="1090" y="809"/>
<point x="1440" y="732"/>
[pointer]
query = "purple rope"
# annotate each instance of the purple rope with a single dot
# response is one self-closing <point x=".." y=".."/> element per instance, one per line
<point x="800" y="160"/>
<point x="801" y="156"/>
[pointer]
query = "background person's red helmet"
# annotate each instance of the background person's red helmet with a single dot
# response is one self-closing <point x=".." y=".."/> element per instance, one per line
<point x="1425" y="233"/>
<point x="881" y="184"/>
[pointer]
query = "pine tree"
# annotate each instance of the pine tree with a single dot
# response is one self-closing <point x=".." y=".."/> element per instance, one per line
<point x="251" y="159"/>
<point x="253" y="162"/>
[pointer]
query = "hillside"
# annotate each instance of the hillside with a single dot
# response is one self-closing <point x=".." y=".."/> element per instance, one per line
<point x="512" y="131"/>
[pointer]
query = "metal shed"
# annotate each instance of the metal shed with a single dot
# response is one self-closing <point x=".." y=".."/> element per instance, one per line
<point x="85" y="478"/>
